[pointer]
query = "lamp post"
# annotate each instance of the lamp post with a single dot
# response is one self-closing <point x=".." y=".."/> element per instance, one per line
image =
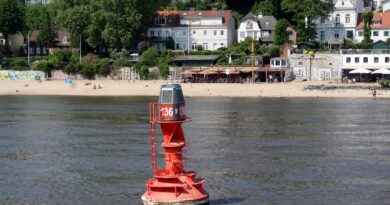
<point x="253" y="56"/>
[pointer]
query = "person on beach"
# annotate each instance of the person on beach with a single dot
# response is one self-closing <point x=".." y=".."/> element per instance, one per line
<point x="373" y="92"/>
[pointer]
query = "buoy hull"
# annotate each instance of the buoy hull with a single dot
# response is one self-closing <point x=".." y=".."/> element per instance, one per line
<point x="149" y="202"/>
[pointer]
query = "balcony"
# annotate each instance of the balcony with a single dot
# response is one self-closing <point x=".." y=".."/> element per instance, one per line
<point x="159" y="38"/>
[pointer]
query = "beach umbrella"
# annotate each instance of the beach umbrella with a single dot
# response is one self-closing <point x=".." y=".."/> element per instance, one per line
<point x="360" y="71"/>
<point x="382" y="71"/>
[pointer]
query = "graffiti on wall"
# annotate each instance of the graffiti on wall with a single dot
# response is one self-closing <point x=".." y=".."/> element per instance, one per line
<point x="325" y="74"/>
<point x="21" y="75"/>
<point x="299" y="72"/>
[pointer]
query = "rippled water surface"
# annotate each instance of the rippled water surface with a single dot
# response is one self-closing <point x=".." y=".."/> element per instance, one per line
<point x="89" y="150"/>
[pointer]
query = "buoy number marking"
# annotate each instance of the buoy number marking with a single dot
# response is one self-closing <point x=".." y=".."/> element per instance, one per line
<point x="166" y="112"/>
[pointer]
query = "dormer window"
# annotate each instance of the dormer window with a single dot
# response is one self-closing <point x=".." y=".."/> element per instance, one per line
<point x="342" y="3"/>
<point x="377" y="23"/>
<point x="160" y="21"/>
<point x="249" y="25"/>
<point x="65" y="40"/>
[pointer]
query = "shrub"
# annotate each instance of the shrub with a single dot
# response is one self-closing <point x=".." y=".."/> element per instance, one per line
<point x="21" y="68"/>
<point x="164" y="70"/>
<point x="385" y="83"/>
<point x="19" y="63"/>
<point x="104" y="67"/>
<point x="88" y="71"/>
<point x="72" y="68"/>
<point x="45" y="66"/>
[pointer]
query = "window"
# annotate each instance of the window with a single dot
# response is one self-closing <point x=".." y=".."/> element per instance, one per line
<point x="336" y="35"/>
<point x="65" y="40"/>
<point x="350" y="34"/>
<point x="356" y="59"/>
<point x="348" y="18"/>
<point x="376" y="60"/>
<point x="385" y="33"/>
<point x="322" y="20"/>
<point x="160" y="21"/>
<point x="222" y="33"/>
<point x="177" y="46"/>
<point x="255" y="35"/>
<point x="360" y="33"/>
<point x="242" y="34"/>
<point x="337" y="19"/>
<point x="194" y="46"/>
<point x="194" y="32"/>
<point x="158" y="33"/>
<point x="215" y="32"/>
<point x="387" y="60"/>
<point x="348" y="59"/>
<point x="152" y="33"/>
<point x="184" y="33"/>
<point x="206" y="46"/>
<point x="365" y="60"/>
<point x="205" y="32"/>
<point x="265" y="33"/>
<point x="375" y="33"/>
<point x="322" y="35"/>
<point x="300" y="63"/>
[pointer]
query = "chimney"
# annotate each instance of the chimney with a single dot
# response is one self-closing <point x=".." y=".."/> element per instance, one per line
<point x="260" y="16"/>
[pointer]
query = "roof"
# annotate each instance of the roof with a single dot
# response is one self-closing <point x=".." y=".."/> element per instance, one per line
<point x="250" y="16"/>
<point x="174" y="17"/>
<point x="60" y="36"/>
<point x="197" y="58"/>
<point x="383" y="18"/>
<point x="267" y="22"/>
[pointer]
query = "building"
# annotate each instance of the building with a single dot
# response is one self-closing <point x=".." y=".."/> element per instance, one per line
<point x="192" y="30"/>
<point x="386" y="5"/>
<point x="380" y="27"/>
<point x="63" y="41"/>
<point x="341" y="23"/>
<point x="258" y="27"/>
<point x="38" y="1"/>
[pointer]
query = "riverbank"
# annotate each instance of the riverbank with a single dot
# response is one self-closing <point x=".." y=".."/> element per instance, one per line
<point x="151" y="88"/>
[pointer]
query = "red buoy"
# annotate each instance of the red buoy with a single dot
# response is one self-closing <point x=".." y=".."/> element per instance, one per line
<point x="172" y="185"/>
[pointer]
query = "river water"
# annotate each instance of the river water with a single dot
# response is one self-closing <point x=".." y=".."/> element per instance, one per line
<point x="95" y="150"/>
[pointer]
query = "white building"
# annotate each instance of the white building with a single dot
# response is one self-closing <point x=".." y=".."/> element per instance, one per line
<point x="368" y="59"/>
<point x="386" y="5"/>
<point x="189" y="30"/>
<point x="38" y="1"/>
<point x="257" y="27"/>
<point x="380" y="27"/>
<point x="341" y="23"/>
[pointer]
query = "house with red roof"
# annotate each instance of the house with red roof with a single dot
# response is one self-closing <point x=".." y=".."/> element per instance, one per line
<point x="193" y="29"/>
<point x="380" y="27"/>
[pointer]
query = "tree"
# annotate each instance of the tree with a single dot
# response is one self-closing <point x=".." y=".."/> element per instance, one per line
<point x="75" y="20"/>
<point x="303" y="12"/>
<point x="266" y="7"/>
<point x="149" y="57"/>
<point x="47" y="36"/>
<point x="367" y="18"/>
<point x="280" y="33"/>
<point x="12" y="16"/>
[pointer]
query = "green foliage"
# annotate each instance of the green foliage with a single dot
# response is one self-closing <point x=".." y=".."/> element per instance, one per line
<point x="272" y="51"/>
<point x="60" y="58"/>
<point x="388" y="41"/>
<point x="385" y="83"/>
<point x="303" y="11"/>
<point x="104" y="67"/>
<point x="367" y="18"/>
<point x="72" y="68"/>
<point x="170" y="44"/>
<point x="75" y="20"/>
<point x="164" y="70"/>
<point x="19" y="62"/>
<point x="88" y="71"/>
<point x="12" y="16"/>
<point x="280" y="33"/>
<point x="44" y="66"/>
<point x="265" y="7"/>
<point x="223" y="60"/>
<point x="149" y="57"/>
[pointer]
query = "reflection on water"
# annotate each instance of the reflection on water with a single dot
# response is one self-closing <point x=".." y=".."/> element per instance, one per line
<point x="80" y="150"/>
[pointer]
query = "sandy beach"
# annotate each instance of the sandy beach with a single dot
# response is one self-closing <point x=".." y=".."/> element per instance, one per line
<point x="151" y="88"/>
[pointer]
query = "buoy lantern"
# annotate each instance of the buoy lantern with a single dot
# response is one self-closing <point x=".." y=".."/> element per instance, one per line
<point x="172" y="185"/>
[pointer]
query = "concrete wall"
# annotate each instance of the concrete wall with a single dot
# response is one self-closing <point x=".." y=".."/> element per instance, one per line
<point x="321" y="67"/>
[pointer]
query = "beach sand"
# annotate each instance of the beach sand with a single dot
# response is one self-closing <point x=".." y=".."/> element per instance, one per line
<point x="151" y="88"/>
